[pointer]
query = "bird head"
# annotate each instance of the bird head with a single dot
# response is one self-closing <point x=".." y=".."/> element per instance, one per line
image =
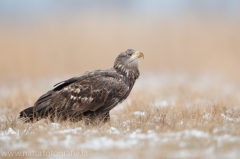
<point x="128" y="60"/>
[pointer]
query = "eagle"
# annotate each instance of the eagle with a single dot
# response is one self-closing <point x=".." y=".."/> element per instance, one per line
<point x="89" y="96"/>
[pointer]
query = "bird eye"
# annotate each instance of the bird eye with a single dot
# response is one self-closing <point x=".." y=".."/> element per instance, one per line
<point x="129" y="55"/>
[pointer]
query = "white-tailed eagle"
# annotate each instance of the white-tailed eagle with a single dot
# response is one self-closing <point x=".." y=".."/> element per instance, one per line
<point x="90" y="95"/>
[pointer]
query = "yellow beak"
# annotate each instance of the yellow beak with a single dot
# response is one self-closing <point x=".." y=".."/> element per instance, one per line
<point x="137" y="54"/>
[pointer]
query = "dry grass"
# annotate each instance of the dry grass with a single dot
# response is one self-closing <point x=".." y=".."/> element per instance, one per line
<point x="168" y="115"/>
<point x="174" y="116"/>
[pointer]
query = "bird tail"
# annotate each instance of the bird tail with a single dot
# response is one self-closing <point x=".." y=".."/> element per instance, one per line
<point x="27" y="115"/>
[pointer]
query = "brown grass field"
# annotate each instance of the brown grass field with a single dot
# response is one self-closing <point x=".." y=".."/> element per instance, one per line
<point x="186" y="103"/>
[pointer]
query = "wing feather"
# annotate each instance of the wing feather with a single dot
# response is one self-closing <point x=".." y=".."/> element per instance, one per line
<point x="88" y="92"/>
<point x="85" y="95"/>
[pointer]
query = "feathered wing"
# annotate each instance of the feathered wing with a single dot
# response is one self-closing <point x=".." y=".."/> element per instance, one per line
<point x="89" y="94"/>
<point x="94" y="91"/>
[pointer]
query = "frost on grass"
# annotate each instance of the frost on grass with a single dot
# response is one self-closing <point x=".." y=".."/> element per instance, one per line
<point x="167" y="116"/>
<point x="231" y="119"/>
<point x="10" y="131"/>
<point x="113" y="130"/>
<point x="139" y="113"/>
<point x="160" y="103"/>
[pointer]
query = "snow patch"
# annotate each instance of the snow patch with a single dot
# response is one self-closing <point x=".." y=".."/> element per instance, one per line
<point x="139" y="113"/>
<point x="10" y="131"/>
<point x="162" y="103"/>
<point x="65" y="131"/>
<point x="230" y="119"/>
<point x="56" y="125"/>
<point x="113" y="130"/>
<point x="107" y="143"/>
<point x="187" y="134"/>
<point x="207" y="116"/>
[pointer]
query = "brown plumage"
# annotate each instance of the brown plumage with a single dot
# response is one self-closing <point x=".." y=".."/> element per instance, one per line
<point x="91" y="95"/>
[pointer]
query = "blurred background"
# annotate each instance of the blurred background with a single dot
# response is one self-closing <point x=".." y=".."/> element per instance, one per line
<point x="50" y="38"/>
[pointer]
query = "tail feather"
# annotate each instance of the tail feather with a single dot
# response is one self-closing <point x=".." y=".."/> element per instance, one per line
<point x="27" y="115"/>
<point x="54" y="115"/>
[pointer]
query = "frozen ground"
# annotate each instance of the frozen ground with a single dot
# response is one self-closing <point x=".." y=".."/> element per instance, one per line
<point x="166" y="116"/>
